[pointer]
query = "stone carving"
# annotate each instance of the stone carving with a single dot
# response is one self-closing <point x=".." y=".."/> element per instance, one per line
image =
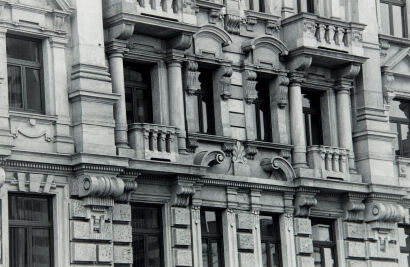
<point x="120" y="31"/>
<point x="31" y="182"/>
<point x="249" y="83"/>
<point x="250" y="23"/>
<point x="300" y="63"/>
<point x="59" y="21"/>
<point x="209" y="158"/>
<point x="353" y="210"/>
<point x="278" y="163"/>
<point x="181" y="42"/>
<point x="272" y="27"/>
<point x="233" y="23"/>
<point x="193" y="85"/>
<point x="224" y="81"/>
<point x="227" y="148"/>
<point x="192" y="144"/>
<point x="129" y="188"/>
<point x="304" y="201"/>
<point x="388" y="91"/>
<point x="181" y="195"/>
<point x="384" y="212"/>
<point x="32" y="132"/>
<point x="214" y="15"/>
<point x="251" y="151"/>
<point x="309" y="26"/>
<point x="282" y="96"/>
<point x="276" y="46"/>
<point x="239" y="154"/>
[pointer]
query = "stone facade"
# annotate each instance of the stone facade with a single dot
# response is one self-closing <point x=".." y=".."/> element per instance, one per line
<point x="82" y="152"/>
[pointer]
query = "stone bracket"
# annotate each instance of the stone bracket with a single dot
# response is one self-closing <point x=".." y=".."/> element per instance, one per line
<point x="304" y="201"/>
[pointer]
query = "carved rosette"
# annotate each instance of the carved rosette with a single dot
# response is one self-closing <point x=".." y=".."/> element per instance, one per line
<point x="249" y="83"/>
<point x="224" y="81"/>
<point x="193" y="85"/>
<point x="233" y="23"/>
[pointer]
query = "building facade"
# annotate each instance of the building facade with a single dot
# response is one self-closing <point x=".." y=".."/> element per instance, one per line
<point x="162" y="133"/>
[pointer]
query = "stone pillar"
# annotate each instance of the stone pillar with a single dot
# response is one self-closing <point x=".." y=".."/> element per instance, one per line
<point x="344" y="124"/>
<point x="297" y="126"/>
<point x="287" y="233"/>
<point x="176" y="101"/>
<point x="115" y="51"/>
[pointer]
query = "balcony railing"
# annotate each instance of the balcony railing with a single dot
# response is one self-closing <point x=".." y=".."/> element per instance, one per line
<point x="328" y="162"/>
<point x="153" y="141"/>
<point x="309" y="30"/>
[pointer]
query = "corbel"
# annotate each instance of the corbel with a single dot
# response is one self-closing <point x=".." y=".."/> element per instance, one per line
<point x="180" y="42"/>
<point x="251" y="150"/>
<point x="282" y="97"/>
<point x="192" y="144"/>
<point x="209" y="158"/>
<point x="388" y="91"/>
<point x="227" y="147"/>
<point x="181" y="194"/>
<point x="223" y="75"/>
<point x="233" y="23"/>
<point x="354" y="207"/>
<point x="271" y="27"/>
<point x="214" y="15"/>
<point x="383" y="213"/>
<point x="120" y="31"/>
<point x="193" y="85"/>
<point x="250" y="23"/>
<point x="249" y="83"/>
<point x="304" y="201"/>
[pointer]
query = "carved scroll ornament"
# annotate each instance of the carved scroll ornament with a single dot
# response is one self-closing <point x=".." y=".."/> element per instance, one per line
<point x="278" y="163"/>
<point x="209" y="158"/>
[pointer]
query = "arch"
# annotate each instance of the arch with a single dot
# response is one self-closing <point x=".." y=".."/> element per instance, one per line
<point x="278" y="163"/>
<point x="265" y="41"/>
<point x="214" y="32"/>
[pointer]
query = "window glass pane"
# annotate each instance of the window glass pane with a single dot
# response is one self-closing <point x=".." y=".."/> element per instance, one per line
<point x="215" y="254"/>
<point x="29" y="209"/>
<point x="267" y="226"/>
<point x="23" y="49"/>
<point x="209" y="222"/>
<point x="18" y="247"/>
<point x="15" y="86"/>
<point x="145" y="218"/>
<point x="154" y="251"/>
<point x="385" y="18"/>
<point x="321" y="232"/>
<point x="41" y="247"/>
<point x="205" y="105"/>
<point x="317" y="256"/>
<point x="262" y="105"/>
<point x="138" y="250"/>
<point x="205" y="253"/>
<point x="328" y="257"/>
<point x="274" y="252"/>
<point x="33" y="87"/>
<point x="397" y="21"/>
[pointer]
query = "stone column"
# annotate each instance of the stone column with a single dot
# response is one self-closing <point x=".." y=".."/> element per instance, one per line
<point x="116" y="50"/>
<point x="344" y="124"/>
<point x="297" y="127"/>
<point x="176" y="101"/>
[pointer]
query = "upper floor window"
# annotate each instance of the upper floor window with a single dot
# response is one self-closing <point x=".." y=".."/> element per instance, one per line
<point x="138" y="97"/>
<point x="306" y="6"/>
<point x="324" y="245"/>
<point x="147" y="236"/>
<point x="313" y="118"/>
<point x="206" y="102"/>
<point x="24" y="74"/>
<point x="399" y="122"/>
<point x="392" y="16"/>
<point x="270" y="237"/>
<point x="31" y="231"/>
<point x="404" y="242"/>
<point x="211" y="232"/>
<point x="263" y="112"/>
<point x="256" y="5"/>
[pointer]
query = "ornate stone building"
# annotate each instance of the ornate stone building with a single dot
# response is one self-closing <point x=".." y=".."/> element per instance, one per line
<point x="204" y="133"/>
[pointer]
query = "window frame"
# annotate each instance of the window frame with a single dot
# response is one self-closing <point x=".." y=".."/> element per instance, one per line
<point x="200" y="96"/>
<point x="326" y="244"/>
<point x="398" y="122"/>
<point x="150" y="232"/>
<point x="272" y="240"/>
<point x="307" y="117"/>
<point x="213" y="237"/>
<point x="23" y="65"/>
<point x="29" y="226"/>
<point x="402" y="5"/>
<point x="258" y="103"/>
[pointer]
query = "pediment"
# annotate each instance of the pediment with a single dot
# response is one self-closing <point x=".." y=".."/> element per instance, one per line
<point x="264" y="50"/>
<point x="399" y="63"/>
<point x="209" y="41"/>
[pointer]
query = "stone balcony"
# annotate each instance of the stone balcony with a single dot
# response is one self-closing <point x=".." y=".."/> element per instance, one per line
<point x="153" y="141"/>
<point x="328" y="162"/>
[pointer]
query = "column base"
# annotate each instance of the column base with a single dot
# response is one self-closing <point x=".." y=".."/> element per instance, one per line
<point x="126" y="152"/>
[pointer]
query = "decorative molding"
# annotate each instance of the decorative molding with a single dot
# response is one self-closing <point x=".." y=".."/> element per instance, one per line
<point x="270" y="42"/>
<point x="304" y="201"/>
<point x="249" y="84"/>
<point x="31" y="182"/>
<point x="278" y="163"/>
<point x="192" y="144"/>
<point x="233" y="23"/>
<point x="251" y="151"/>
<point x="209" y="158"/>
<point x="214" y="15"/>
<point x="181" y="195"/>
<point x="217" y="33"/>
<point x="193" y="85"/>
<point x="384" y="212"/>
<point x="282" y="96"/>
<point x="223" y="80"/>
<point x="272" y="27"/>
<point x="354" y="207"/>
<point x="32" y="132"/>
<point x="180" y="42"/>
<point x="348" y="72"/>
<point x="227" y="147"/>
<point x="250" y="22"/>
<point x="300" y="63"/>
<point x="120" y="31"/>
<point x="239" y="153"/>
<point x="388" y="92"/>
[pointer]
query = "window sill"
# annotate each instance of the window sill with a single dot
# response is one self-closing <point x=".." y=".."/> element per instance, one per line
<point x="29" y="115"/>
<point x="401" y="41"/>
<point x="261" y="15"/>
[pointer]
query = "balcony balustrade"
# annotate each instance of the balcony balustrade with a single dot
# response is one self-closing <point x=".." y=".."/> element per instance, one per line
<point x="153" y="141"/>
<point x="328" y="162"/>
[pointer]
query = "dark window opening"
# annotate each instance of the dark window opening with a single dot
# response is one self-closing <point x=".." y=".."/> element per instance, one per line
<point x="147" y="245"/>
<point x="310" y="8"/>
<point x="404" y="242"/>
<point x="399" y="122"/>
<point x="263" y="112"/>
<point x="138" y="97"/>
<point x="24" y="74"/>
<point x="313" y="119"/>
<point x="211" y="231"/>
<point x="324" y="245"/>
<point x="206" y="102"/>
<point x="31" y="231"/>
<point x="270" y="237"/>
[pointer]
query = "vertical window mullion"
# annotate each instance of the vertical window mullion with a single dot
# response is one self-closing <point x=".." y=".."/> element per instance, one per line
<point x="391" y="19"/>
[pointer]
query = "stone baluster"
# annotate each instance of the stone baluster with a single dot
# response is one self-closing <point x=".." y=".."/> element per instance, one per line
<point x="328" y="160"/>
<point x="336" y="161"/>
<point x="330" y="34"/>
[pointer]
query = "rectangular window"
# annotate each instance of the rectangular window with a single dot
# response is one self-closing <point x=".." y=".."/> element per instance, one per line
<point x="399" y="123"/>
<point x="324" y="245"/>
<point x="138" y="97"/>
<point x="24" y="74"/>
<point x="147" y="245"/>
<point x="404" y="242"/>
<point x="393" y="17"/>
<point x="31" y="231"/>
<point x="256" y="5"/>
<point x="263" y="112"/>
<point x="211" y="231"/>
<point x="313" y="119"/>
<point x="206" y="102"/>
<point x="270" y="237"/>
<point x="309" y="6"/>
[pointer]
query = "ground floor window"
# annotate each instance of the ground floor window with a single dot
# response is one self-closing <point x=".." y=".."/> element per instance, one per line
<point x="404" y="242"/>
<point x="324" y="245"/>
<point x="212" y="255"/>
<point x="270" y="237"/>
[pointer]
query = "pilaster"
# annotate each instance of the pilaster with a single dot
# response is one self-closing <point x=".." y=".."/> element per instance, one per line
<point x="287" y="232"/>
<point x="279" y="92"/>
<point x="222" y="93"/>
<point x="229" y="228"/>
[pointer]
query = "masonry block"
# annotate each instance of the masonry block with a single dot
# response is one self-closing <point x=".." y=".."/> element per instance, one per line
<point x="181" y="237"/>
<point x="351" y="263"/>
<point x="384" y="264"/>
<point x="77" y="210"/>
<point x="80" y="230"/>
<point x="355" y="249"/>
<point x="105" y="253"/>
<point x="81" y="252"/>
<point x="390" y="251"/>
<point x="121" y="212"/>
<point x="305" y="261"/>
<point x="355" y="230"/>
<point x="122" y="233"/>
<point x="180" y="216"/>
<point x="122" y="254"/>
<point x="182" y="257"/>
<point x="302" y="226"/>
<point x="245" y="221"/>
<point x="303" y="245"/>
<point x="246" y="259"/>
<point x="245" y="241"/>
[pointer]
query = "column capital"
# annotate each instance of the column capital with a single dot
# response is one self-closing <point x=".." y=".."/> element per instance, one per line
<point x="343" y="86"/>
<point x="296" y="78"/>
<point x="348" y="72"/>
<point x="175" y="57"/>
<point x="116" y="48"/>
